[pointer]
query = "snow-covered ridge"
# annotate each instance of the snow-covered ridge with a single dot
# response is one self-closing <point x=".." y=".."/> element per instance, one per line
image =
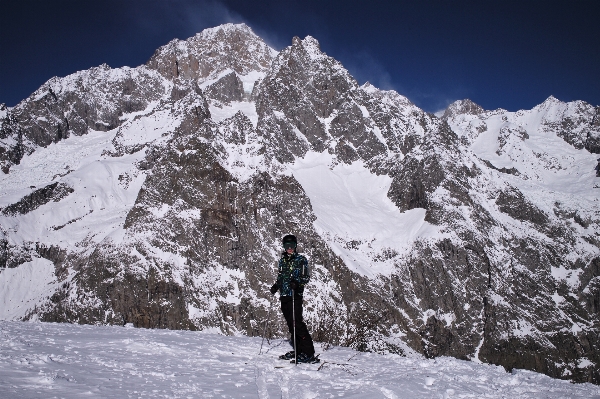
<point x="312" y="47"/>
<point x="105" y="190"/>
<point x="3" y="111"/>
<point x="71" y="361"/>
<point x="529" y="143"/>
<point x="229" y="28"/>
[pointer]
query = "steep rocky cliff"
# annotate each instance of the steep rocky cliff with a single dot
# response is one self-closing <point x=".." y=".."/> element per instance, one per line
<point x="157" y="196"/>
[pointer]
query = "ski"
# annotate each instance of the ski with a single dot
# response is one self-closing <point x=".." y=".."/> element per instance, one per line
<point x="314" y="360"/>
<point x="287" y="356"/>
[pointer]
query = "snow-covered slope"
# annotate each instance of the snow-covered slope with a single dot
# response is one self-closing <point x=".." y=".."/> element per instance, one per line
<point x="157" y="196"/>
<point x="70" y="361"/>
<point x="351" y="205"/>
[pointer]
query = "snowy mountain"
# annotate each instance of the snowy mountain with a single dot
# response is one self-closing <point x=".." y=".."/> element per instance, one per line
<point x="71" y="361"/>
<point x="157" y="196"/>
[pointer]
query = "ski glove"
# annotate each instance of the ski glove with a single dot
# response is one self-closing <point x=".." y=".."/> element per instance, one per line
<point x="274" y="288"/>
<point x="293" y="285"/>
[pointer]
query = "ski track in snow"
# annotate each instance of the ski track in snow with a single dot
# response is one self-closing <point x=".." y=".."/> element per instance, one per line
<point x="73" y="361"/>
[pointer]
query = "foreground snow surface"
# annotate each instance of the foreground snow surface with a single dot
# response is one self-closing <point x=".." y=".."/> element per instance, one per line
<point x="43" y="360"/>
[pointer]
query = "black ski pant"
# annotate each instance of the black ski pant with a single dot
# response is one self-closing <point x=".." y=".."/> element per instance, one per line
<point x="303" y="340"/>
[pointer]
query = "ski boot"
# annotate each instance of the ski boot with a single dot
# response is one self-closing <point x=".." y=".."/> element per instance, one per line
<point x="288" y="356"/>
<point x="304" y="358"/>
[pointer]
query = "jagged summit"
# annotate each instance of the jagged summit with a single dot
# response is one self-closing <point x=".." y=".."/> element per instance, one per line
<point x="460" y="107"/>
<point x="551" y="100"/>
<point x="310" y="45"/>
<point x="229" y="46"/>
<point x="225" y="30"/>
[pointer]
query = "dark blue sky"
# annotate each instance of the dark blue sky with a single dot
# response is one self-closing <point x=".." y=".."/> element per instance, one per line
<point x="500" y="54"/>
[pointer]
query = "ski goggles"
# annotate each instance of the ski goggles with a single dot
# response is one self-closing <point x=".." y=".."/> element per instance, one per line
<point x="289" y="245"/>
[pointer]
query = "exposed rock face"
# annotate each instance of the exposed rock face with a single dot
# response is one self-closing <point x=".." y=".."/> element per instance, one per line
<point x="212" y="51"/>
<point x="228" y="88"/>
<point x="514" y="204"/>
<point x="177" y="212"/>
<point x="462" y="107"/>
<point x="95" y="99"/>
<point x="52" y="192"/>
<point x="3" y="252"/>
<point x="592" y="141"/>
<point x="577" y="123"/>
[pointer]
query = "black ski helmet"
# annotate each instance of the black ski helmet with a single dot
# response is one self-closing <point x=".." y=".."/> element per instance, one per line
<point x="289" y="241"/>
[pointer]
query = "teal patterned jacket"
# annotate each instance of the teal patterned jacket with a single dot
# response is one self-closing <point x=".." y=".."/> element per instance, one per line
<point x="292" y="267"/>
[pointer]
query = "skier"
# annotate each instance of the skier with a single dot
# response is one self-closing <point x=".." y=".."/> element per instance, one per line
<point x="292" y="277"/>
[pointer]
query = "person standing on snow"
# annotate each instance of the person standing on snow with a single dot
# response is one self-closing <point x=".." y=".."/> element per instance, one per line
<point x="292" y="277"/>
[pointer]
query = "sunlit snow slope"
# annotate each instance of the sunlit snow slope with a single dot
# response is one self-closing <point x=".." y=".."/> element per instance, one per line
<point x="71" y="361"/>
<point x="351" y="205"/>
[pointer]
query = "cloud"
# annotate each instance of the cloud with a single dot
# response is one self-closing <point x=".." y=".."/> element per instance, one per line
<point x="199" y="15"/>
<point x="436" y="99"/>
<point x="365" y="68"/>
<point x="182" y="18"/>
<point x="274" y="40"/>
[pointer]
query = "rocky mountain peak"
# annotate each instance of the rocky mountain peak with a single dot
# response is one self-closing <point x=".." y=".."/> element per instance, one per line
<point x="461" y="107"/>
<point x="575" y="121"/>
<point x="304" y="100"/>
<point x="551" y="100"/>
<point x="312" y="47"/>
<point x="226" y="31"/>
<point x="212" y="51"/>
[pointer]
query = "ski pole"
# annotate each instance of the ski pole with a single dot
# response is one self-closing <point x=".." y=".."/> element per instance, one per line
<point x="294" y="325"/>
<point x="265" y="328"/>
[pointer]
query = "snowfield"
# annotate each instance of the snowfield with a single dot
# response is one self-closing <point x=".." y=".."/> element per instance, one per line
<point x="46" y="360"/>
<point x="351" y="205"/>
